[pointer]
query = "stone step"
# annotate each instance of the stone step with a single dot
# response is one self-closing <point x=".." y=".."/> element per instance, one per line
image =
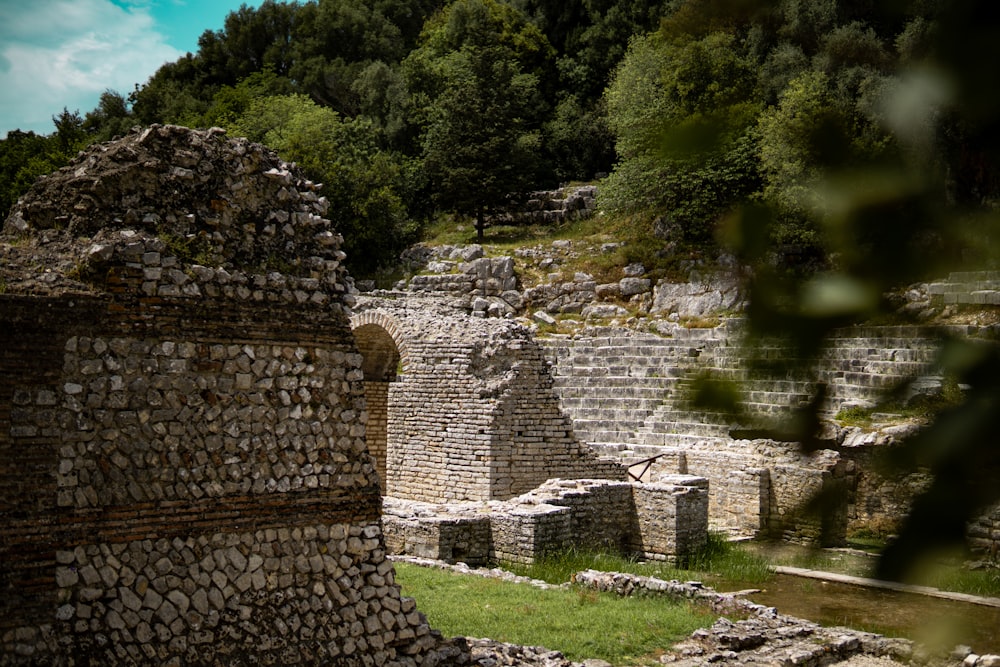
<point x="598" y="424"/>
<point x="646" y="368"/>
<point x="601" y="381"/>
<point x="613" y="415"/>
<point x="626" y="391"/>
<point x="598" y="402"/>
<point x="604" y="437"/>
<point x="677" y="440"/>
<point x="682" y="428"/>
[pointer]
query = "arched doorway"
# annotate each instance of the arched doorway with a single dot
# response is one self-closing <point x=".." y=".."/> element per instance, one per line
<point x="381" y="366"/>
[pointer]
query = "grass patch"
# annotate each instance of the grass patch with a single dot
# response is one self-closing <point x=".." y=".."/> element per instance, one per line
<point x="959" y="579"/>
<point x="921" y="407"/>
<point x="581" y="623"/>
<point x="719" y="560"/>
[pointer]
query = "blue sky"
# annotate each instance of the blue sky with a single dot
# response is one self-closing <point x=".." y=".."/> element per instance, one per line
<point x="65" y="53"/>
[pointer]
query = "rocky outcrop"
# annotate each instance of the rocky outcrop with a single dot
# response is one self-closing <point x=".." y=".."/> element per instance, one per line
<point x="552" y="207"/>
<point x="495" y="287"/>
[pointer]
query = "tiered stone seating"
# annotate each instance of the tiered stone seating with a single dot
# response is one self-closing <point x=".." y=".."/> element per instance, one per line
<point x="610" y="384"/>
<point x="627" y="395"/>
<point x="968" y="287"/>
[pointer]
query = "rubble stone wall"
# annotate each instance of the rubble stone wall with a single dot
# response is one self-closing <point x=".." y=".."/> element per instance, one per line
<point x="184" y="476"/>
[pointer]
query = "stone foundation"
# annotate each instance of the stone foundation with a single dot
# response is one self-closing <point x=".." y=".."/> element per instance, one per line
<point x="663" y="521"/>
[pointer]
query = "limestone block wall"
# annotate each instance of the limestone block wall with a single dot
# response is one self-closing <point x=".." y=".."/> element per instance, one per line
<point x="739" y="495"/>
<point x="472" y="414"/>
<point x="526" y="533"/>
<point x="672" y="517"/>
<point x="602" y="513"/>
<point x="665" y="521"/>
<point x="450" y="538"/>
<point x="626" y="393"/>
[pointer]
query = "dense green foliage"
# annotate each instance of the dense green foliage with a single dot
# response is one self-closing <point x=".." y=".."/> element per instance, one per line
<point x="696" y="107"/>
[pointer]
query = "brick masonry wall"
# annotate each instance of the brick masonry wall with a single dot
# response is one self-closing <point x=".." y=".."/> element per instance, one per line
<point x="377" y="406"/>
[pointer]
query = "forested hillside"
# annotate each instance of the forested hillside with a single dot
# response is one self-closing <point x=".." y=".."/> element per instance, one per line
<point x="404" y="109"/>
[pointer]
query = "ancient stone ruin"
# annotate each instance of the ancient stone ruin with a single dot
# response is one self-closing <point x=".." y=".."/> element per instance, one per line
<point x="467" y="430"/>
<point x="184" y="474"/>
<point x="209" y="444"/>
<point x="197" y="428"/>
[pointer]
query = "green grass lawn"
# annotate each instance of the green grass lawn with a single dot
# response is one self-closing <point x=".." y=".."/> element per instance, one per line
<point x="578" y="622"/>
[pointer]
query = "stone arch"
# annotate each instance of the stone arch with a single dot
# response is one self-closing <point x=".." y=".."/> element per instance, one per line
<point x="383" y="351"/>
<point x="472" y="414"/>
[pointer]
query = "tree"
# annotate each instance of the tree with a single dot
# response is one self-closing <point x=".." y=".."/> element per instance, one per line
<point x="231" y="102"/>
<point x="477" y="99"/>
<point x="683" y="116"/>
<point x="578" y="141"/>
<point x="70" y="134"/>
<point x="876" y="176"/>
<point x="111" y="118"/>
<point x="478" y="149"/>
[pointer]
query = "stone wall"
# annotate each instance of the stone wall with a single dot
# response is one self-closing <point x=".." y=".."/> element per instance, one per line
<point x="185" y="477"/>
<point x="663" y="521"/>
<point x="472" y="414"/>
<point x="626" y="393"/>
<point x="552" y="207"/>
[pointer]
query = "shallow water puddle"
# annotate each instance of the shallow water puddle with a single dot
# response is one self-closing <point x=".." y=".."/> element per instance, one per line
<point x="930" y="621"/>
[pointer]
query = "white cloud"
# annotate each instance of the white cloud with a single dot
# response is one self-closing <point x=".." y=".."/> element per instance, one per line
<point x="65" y="53"/>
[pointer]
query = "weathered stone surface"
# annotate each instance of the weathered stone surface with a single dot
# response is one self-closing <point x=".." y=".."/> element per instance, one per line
<point x="463" y="407"/>
<point x="663" y="521"/>
<point x="701" y="295"/>
<point x="185" y="420"/>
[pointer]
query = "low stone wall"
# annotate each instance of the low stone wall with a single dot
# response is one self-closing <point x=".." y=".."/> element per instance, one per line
<point x="663" y="521"/>
<point x="984" y="532"/>
<point x="552" y="207"/>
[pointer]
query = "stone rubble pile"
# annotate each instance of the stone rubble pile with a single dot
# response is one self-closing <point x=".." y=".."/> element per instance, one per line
<point x="231" y="204"/>
<point x="552" y="207"/>
<point x="493" y="286"/>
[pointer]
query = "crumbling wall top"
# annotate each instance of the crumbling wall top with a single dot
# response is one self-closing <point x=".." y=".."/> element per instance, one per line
<point x="197" y="195"/>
